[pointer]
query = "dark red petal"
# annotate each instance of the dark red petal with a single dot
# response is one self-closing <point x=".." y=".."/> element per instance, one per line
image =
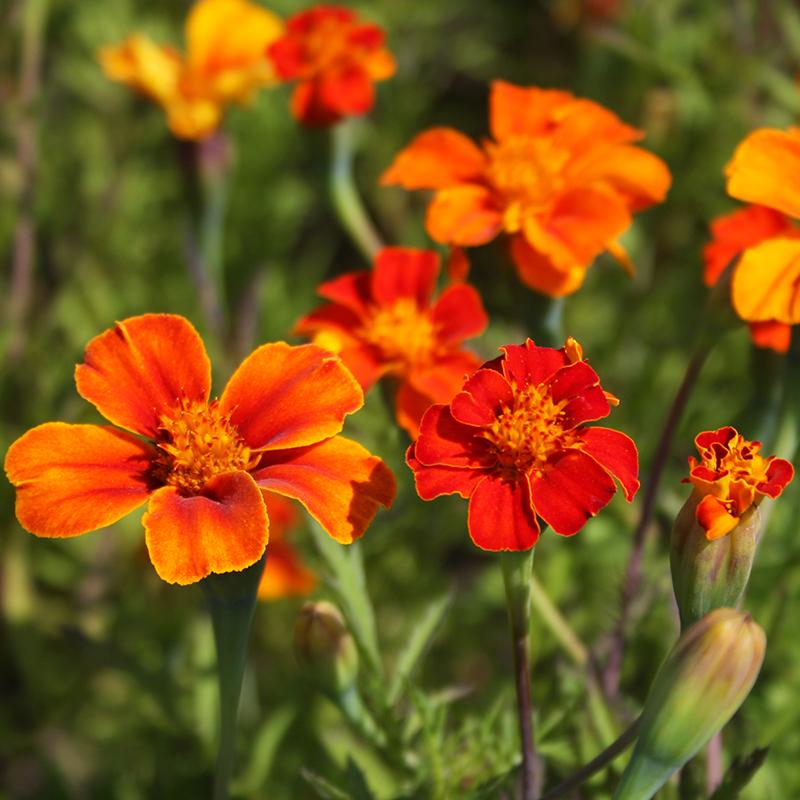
<point x="500" y="515"/>
<point x="482" y="399"/>
<point x="572" y="381"/>
<point x="435" y="481"/>
<point x="353" y="291"/>
<point x="617" y="453"/>
<point x="347" y="91"/>
<point x="459" y="314"/>
<point x="528" y="364"/>
<point x="404" y="273"/>
<point x="779" y="473"/>
<point x="587" y="407"/>
<point x="722" y="436"/>
<point x="445" y="441"/>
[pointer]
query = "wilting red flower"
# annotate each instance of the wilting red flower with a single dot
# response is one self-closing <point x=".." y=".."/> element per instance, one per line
<point x="383" y="323"/>
<point x="514" y="442"/>
<point x="284" y="573"/>
<point x="559" y="176"/>
<point x="202" y="465"/>
<point x="739" y="231"/>
<point x="335" y="60"/>
<point x="732" y="476"/>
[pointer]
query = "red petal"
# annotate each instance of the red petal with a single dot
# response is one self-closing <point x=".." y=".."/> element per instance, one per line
<point x="347" y="91"/>
<point x="435" y="481"/>
<point x="353" y="291"/>
<point x="445" y="377"/>
<point x="404" y="272"/>
<point x="528" y="364"/>
<point x="579" y="384"/>
<point x="616" y="453"/>
<point x="706" y="439"/>
<point x="482" y="399"/>
<point x="772" y="335"/>
<point x="308" y="108"/>
<point x="779" y="474"/>
<point x="445" y="441"/>
<point x="459" y="314"/>
<point x="500" y="515"/>
<point x="410" y="406"/>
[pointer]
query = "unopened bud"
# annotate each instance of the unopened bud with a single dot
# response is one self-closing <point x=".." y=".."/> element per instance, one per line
<point x="700" y="686"/>
<point x="324" y="647"/>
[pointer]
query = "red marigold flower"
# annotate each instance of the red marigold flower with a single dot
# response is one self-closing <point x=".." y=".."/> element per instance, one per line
<point x="203" y="466"/>
<point x="514" y="442"/>
<point x="732" y="476"/>
<point x="383" y="322"/>
<point x="559" y="176"/>
<point x="733" y="234"/>
<point x="335" y="59"/>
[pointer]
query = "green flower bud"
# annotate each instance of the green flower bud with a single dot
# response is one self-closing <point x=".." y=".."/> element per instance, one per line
<point x="325" y="649"/>
<point x="709" y="574"/>
<point x="700" y="686"/>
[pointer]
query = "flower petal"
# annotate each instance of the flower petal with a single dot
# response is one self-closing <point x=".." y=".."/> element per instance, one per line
<point x="458" y="314"/>
<point x="347" y="90"/>
<point x="446" y="442"/>
<point x="484" y="395"/>
<point x="779" y="474"/>
<point x="71" y="479"/>
<point x="571" y="489"/>
<point x="616" y="453"/>
<point x="352" y="290"/>
<point x="529" y="365"/>
<point x="773" y="335"/>
<point x="283" y="396"/>
<point x="435" y="481"/>
<point x="340" y="483"/>
<point x="285" y="575"/>
<point x="500" y="515"/>
<point x="463" y="215"/>
<point x="526" y="111"/>
<point x="404" y="272"/>
<point x="579" y="385"/>
<point x="714" y="518"/>
<point x="224" y="529"/>
<point x="538" y="270"/>
<point x="135" y="372"/>
<point x="410" y="406"/>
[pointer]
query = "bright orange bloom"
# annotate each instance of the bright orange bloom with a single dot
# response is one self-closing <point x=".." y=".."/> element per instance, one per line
<point x="383" y="323"/>
<point x="559" y="176"/>
<point x="335" y="60"/>
<point x="225" y="63"/>
<point x="732" y="476"/>
<point x="284" y="573"/>
<point x="733" y="234"/>
<point x="765" y="170"/>
<point x="514" y="442"/>
<point x="202" y="465"/>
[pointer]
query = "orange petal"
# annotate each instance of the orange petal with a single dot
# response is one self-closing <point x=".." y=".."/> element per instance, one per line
<point x="283" y="396"/>
<point x="714" y="518"/>
<point x="340" y="483"/>
<point x="538" y="271"/>
<point x="765" y="169"/>
<point x="284" y="574"/>
<point x="135" y="372"/>
<point x="72" y="479"/>
<point x="436" y="159"/>
<point x="225" y="529"/>
<point x="765" y="282"/>
<point x="517" y="110"/>
<point x="773" y="335"/>
<point x="463" y="215"/>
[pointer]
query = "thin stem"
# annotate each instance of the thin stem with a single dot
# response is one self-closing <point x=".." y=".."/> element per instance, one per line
<point x="517" y="574"/>
<point x="345" y="197"/>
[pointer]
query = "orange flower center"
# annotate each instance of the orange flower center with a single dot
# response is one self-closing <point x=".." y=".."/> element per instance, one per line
<point x="740" y="460"/>
<point x="528" y="174"/>
<point x="326" y="45"/>
<point x="527" y="434"/>
<point x="405" y="335"/>
<point x="197" y="442"/>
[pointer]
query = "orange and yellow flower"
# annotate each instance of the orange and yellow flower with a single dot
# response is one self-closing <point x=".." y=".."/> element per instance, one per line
<point x="384" y="323"/>
<point x="514" y="442"/>
<point x="764" y="170"/>
<point x="225" y="63"/>
<point x="560" y="176"/>
<point x="335" y="60"/>
<point x="202" y="465"/>
<point x="732" y="476"/>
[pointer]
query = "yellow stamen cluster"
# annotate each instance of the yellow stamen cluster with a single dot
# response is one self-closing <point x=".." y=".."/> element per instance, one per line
<point x="740" y="459"/>
<point x="197" y="442"/>
<point x="405" y="335"/>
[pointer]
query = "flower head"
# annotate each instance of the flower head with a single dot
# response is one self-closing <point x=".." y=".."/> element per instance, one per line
<point x="225" y="63"/>
<point x="384" y="323"/>
<point x="203" y="466"/>
<point x="514" y="442"/>
<point x="732" y="476"/>
<point x="335" y="60"/>
<point x="560" y="176"/>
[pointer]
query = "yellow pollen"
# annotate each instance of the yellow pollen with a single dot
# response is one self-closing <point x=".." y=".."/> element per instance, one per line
<point x="197" y="442"/>
<point x="528" y="433"/>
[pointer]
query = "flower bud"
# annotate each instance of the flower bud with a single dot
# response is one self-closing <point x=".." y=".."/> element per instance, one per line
<point x="709" y="574"/>
<point x="324" y="648"/>
<point x="701" y="684"/>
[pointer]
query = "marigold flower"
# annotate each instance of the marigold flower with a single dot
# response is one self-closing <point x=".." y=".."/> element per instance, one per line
<point x="225" y="63"/>
<point x="514" y="442"/>
<point x="201" y="465"/>
<point x="335" y="60"/>
<point x="383" y="323"/>
<point x="733" y="234"/>
<point x="559" y="176"/>
<point x="732" y="476"/>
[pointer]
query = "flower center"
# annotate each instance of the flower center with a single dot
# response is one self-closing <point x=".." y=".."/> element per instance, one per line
<point x="740" y="459"/>
<point x="528" y="433"/>
<point x="325" y="45"/>
<point x="405" y="335"/>
<point x="197" y="442"/>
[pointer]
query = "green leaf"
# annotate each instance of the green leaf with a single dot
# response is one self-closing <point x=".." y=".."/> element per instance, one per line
<point x="263" y="750"/>
<point x="357" y="782"/>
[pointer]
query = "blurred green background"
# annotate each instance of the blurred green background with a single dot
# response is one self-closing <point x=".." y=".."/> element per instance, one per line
<point x="108" y="688"/>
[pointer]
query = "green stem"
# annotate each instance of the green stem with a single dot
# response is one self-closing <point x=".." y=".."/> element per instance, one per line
<point x="345" y="197"/>
<point x="231" y="601"/>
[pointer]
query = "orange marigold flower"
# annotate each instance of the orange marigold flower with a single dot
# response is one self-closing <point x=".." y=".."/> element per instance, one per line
<point x="202" y="465"/>
<point x="514" y="442"/>
<point x="335" y="60"/>
<point x="733" y="234"/>
<point x="732" y="477"/>
<point x="226" y="62"/>
<point x="383" y="323"/>
<point x="559" y="176"/>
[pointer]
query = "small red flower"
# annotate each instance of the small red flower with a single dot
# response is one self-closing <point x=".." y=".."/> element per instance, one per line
<point x="514" y="442"/>
<point x="335" y="59"/>
<point x="383" y="323"/>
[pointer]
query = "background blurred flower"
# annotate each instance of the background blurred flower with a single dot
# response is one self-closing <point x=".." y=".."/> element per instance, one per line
<point x="383" y="323"/>
<point x="559" y="176"/>
<point x="335" y="60"/>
